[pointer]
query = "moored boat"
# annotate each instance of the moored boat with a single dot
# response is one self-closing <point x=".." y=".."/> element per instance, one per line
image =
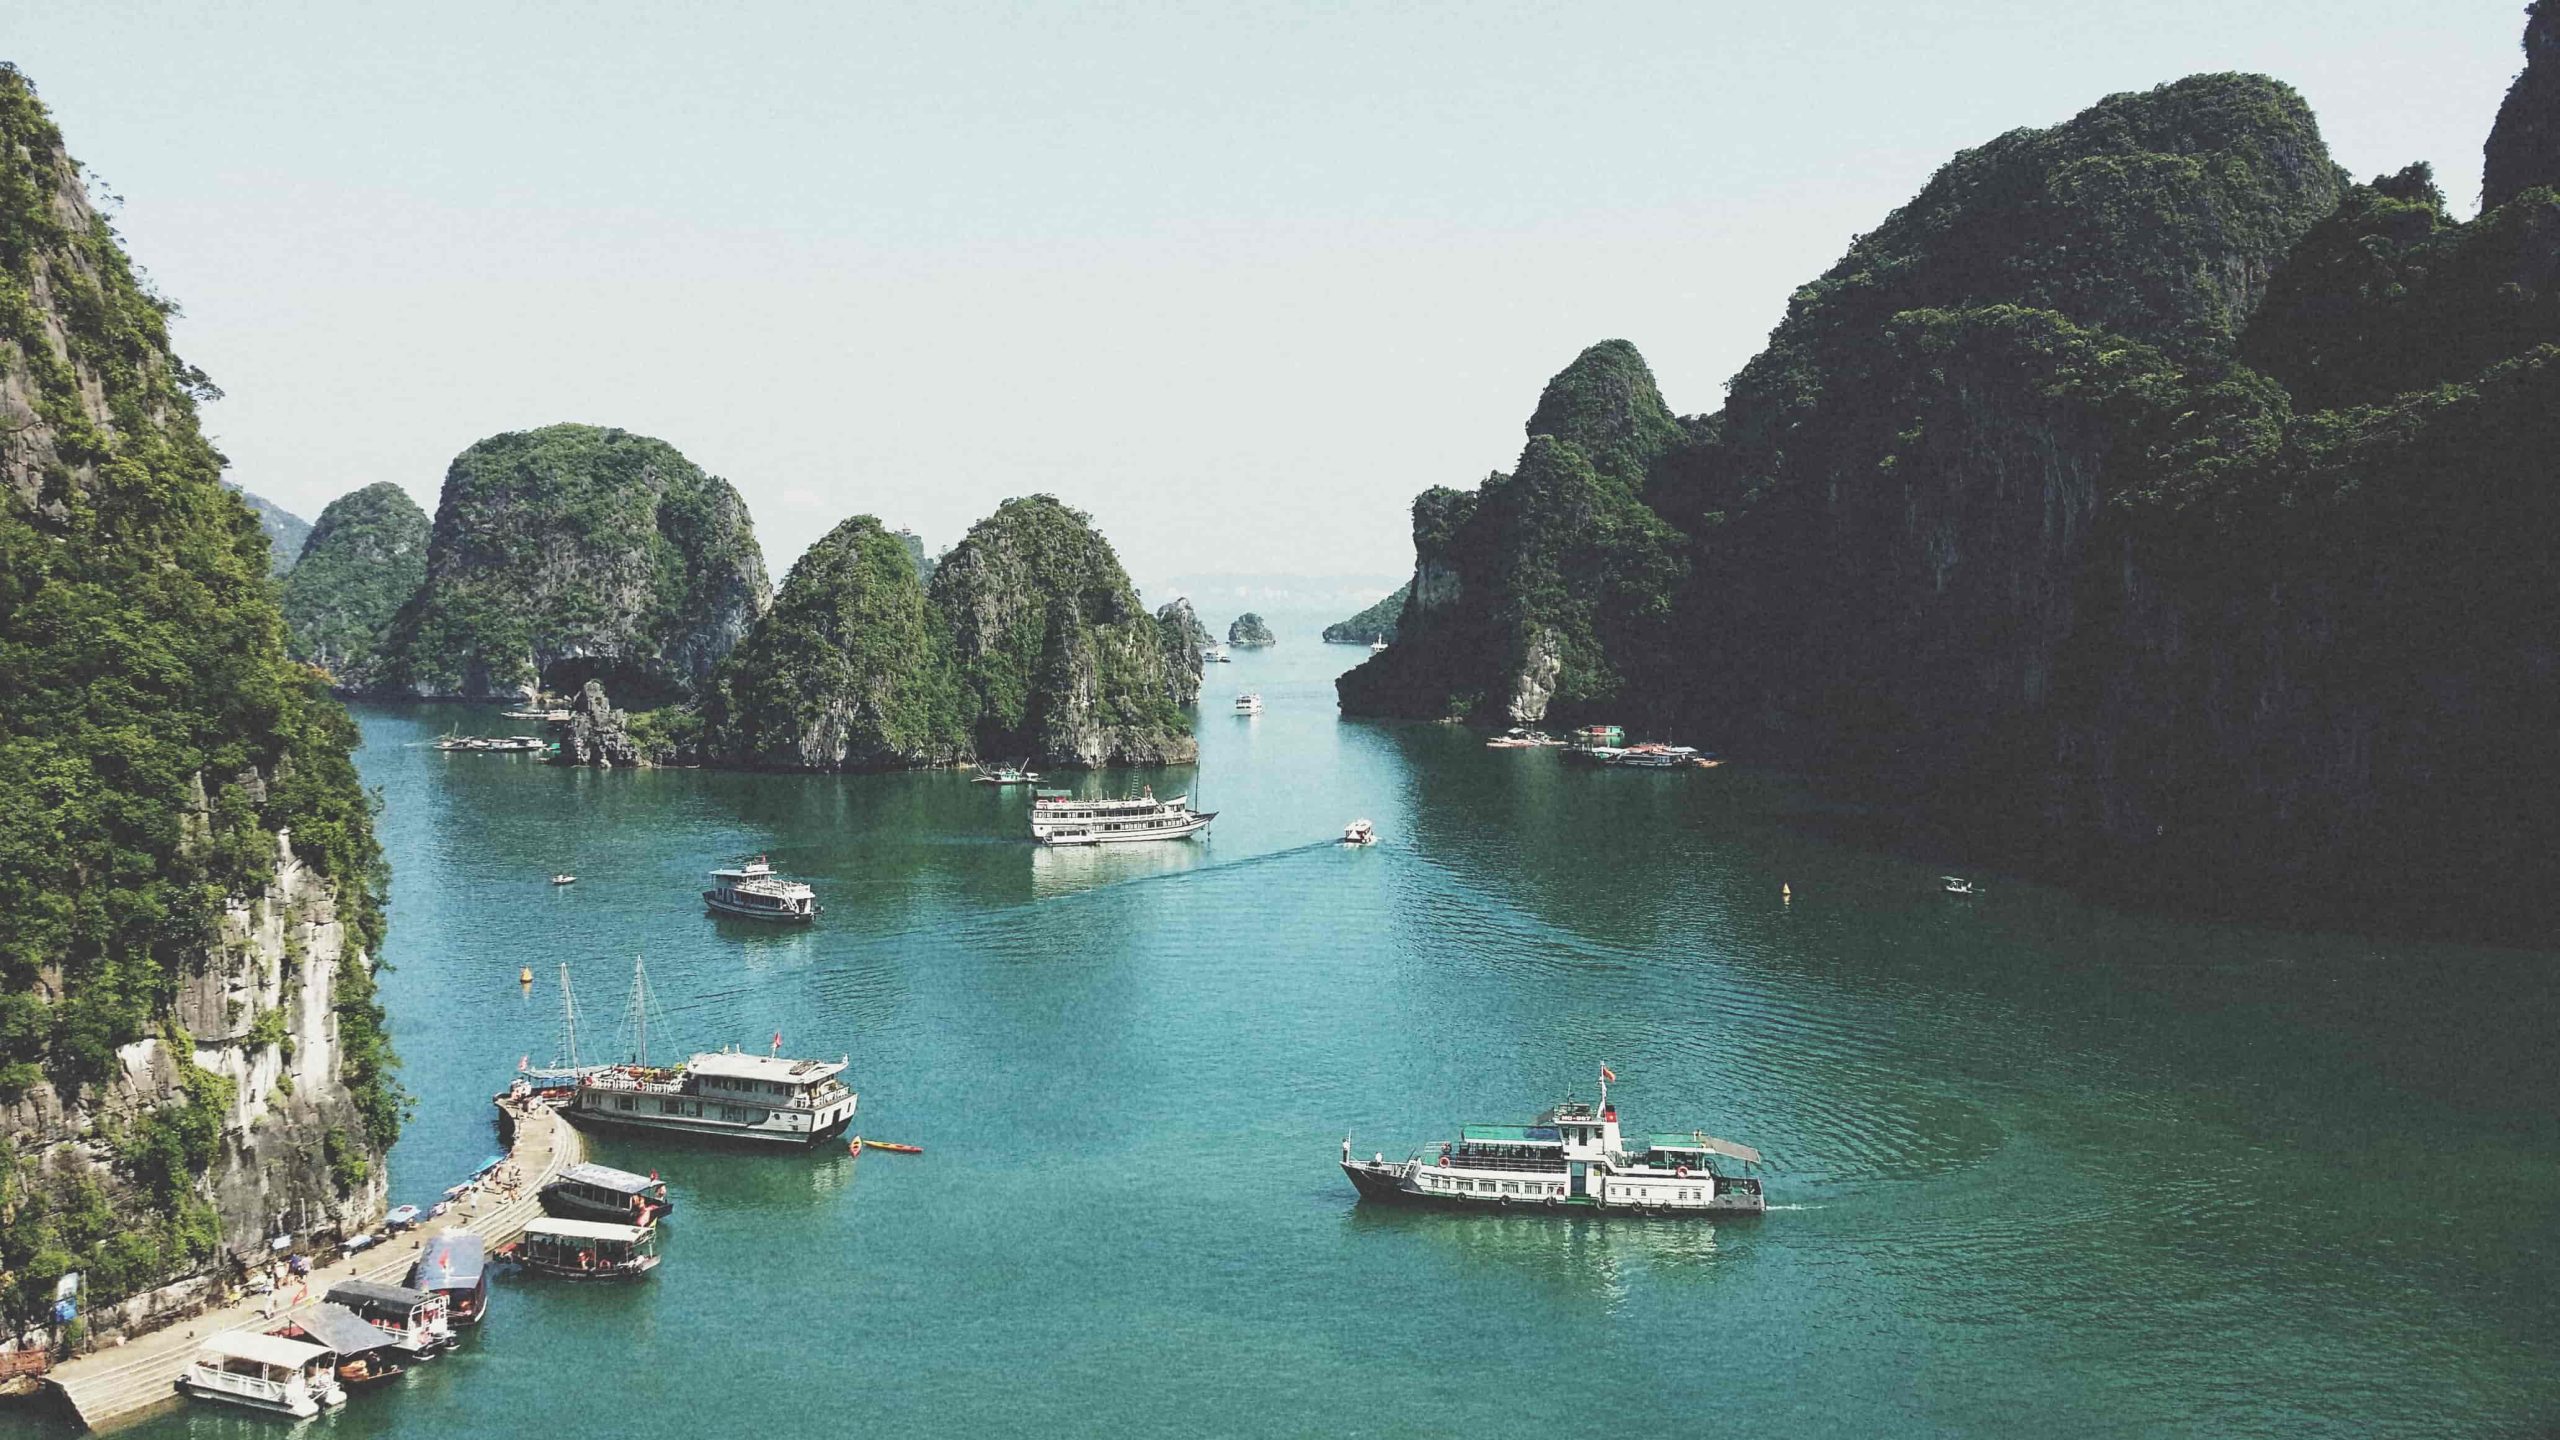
<point x="586" y="1249"/>
<point x="364" y="1353"/>
<point x="1649" y="756"/>
<point x="721" y="1095"/>
<point x="600" y="1192"/>
<point x="455" y="1265"/>
<point x="1573" y="1158"/>
<point x="416" y="1322"/>
<point x="264" y="1372"/>
<point x="1007" y="775"/>
<point x="1058" y="818"/>
<point x="754" y="892"/>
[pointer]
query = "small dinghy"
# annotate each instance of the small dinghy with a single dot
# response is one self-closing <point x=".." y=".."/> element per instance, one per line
<point x="1958" y="885"/>
<point x="889" y="1145"/>
<point x="1359" y="832"/>
<point x="564" y="879"/>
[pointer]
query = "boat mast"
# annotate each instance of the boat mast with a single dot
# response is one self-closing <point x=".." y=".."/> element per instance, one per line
<point x="569" y="1015"/>
<point x="640" y="1011"/>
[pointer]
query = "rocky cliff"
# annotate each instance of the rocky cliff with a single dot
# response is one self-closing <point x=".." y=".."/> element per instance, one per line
<point x="1185" y="641"/>
<point x="850" y="670"/>
<point x="1249" y="632"/>
<point x="573" y="553"/>
<point x="2524" y="149"/>
<point x="189" y="886"/>
<point x="2143" y="501"/>
<point x="1057" y="658"/>
<point x="598" y="734"/>
<point x="1378" y="622"/>
<point x="286" y="532"/>
<point x="366" y="556"/>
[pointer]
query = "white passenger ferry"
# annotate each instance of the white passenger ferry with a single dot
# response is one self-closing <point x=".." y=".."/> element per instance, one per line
<point x="1058" y="818"/>
<point x="1573" y="1159"/>
<point x="753" y="892"/>
<point x="265" y="1372"/>
<point x="1249" y="703"/>
<point x="722" y="1094"/>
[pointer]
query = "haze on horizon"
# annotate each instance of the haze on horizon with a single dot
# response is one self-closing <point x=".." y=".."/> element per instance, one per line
<point x="1239" y="282"/>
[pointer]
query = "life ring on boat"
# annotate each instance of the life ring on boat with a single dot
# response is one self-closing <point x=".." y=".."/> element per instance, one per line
<point x="1682" y="1171"/>
<point x="1444" y="1162"/>
<point x="586" y="1260"/>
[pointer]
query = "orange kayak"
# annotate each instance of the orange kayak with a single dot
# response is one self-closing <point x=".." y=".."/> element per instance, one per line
<point x="888" y="1145"/>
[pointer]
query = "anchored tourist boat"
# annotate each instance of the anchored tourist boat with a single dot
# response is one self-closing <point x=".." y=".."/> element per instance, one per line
<point x="362" y="1351"/>
<point x="1378" y="644"/>
<point x="1058" y="818"/>
<point x="753" y="892"/>
<point x="586" y="1249"/>
<point x="721" y="1095"/>
<point x="455" y="1265"/>
<point x="414" y="1321"/>
<point x="1249" y="703"/>
<point x="1649" y="757"/>
<point x="1216" y="655"/>
<point x="1573" y="1158"/>
<point x="265" y="1372"/>
<point x="600" y="1192"/>
<point x="1008" y="775"/>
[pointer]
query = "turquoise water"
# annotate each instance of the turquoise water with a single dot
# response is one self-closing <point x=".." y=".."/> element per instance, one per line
<point x="2037" y="1166"/>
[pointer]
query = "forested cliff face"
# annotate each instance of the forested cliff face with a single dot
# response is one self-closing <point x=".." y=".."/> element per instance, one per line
<point x="364" y="558"/>
<point x="1377" y="622"/>
<point x="2524" y="149"/>
<point x="189" y="886"/>
<point x="572" y="553"/>
<point x="1058" y="659"/>
<point x="2143" y="499"/>
<point x="850" y="670"/>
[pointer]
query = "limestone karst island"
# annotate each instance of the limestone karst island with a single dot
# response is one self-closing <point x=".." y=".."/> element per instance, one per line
<point x="937" y="757"/>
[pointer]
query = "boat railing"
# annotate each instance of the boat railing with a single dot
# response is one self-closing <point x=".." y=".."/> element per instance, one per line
<point x="254" y="1387"/>
<point x="623" y="1080"/>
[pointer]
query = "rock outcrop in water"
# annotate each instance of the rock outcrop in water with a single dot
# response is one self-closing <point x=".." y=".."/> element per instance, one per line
<point x="365" y="558"/>
<point x="598" y="734"/>
<point x="850" y="670"/>
<point x="1186" y="640"/>
<point x="1248" y="632"/>
<point x="2524" y="149"/>
<point x="189" y="1042"/>
<point x="1058" y="659"/>
<point x="2142" y="502"/>
<point x="1378" y="622"/>
<point x="572" y="553"/>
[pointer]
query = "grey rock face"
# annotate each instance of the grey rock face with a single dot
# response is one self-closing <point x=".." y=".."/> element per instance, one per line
<point x="599" y="735"/>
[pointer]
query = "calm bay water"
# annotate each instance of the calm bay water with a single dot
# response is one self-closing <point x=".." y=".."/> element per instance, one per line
<point x="2037" y="1166"/>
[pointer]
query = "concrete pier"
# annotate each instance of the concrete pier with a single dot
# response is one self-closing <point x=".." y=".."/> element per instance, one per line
<point x="120" y="1385"/>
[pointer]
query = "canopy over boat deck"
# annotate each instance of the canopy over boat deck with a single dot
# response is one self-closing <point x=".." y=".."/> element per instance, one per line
<point x="1704" y="1144"/>
<point x="340" y="1329"/>
<point x="1509" y="1135"/>
<point x="273" y="1351"/>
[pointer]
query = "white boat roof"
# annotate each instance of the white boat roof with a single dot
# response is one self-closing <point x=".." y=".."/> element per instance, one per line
<point x="263" y="1349"/>
<point x="584" y="1230"/>
<point x="781" y="1070"/>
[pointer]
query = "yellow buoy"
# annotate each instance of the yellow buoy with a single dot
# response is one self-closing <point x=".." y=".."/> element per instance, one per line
<point x="1785" y="892"/>
<point x="525" y="976"/>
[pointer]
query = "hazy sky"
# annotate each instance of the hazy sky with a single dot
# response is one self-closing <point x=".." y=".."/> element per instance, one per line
<point x="1238" y="280"/>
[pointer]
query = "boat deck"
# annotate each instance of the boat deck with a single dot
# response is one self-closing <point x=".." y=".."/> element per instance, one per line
<point x="115" y="1387"/>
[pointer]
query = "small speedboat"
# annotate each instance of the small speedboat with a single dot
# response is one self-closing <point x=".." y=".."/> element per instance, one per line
<point x="365" y="1371"/>
<point x="564" y="879"/>
<point x="1958" y="885"/>
<point x="1359" y="832"/>
<point x="891" y="1146"/>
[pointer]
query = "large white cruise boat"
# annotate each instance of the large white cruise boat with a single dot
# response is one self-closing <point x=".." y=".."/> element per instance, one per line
<point x="721" y="1094"/>
<point x="754" y="892"/>
<point x="1058" y="818"/>
<point x="1572" y="1159"/>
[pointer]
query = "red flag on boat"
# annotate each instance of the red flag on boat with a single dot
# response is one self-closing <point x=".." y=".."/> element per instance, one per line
<point x="777" y="1042"/>
<point x="1608" y="1074"/>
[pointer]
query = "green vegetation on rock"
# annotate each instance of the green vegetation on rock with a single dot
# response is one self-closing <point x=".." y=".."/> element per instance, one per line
<point x="1058" y="659"/>
<point x="365" y="558"/>
<point x="572" y="553"/>
<point x="285" y="531"/>
<point x="850" y="670"/>
<point x="155" y="740"/>
<point x="1378" y="622"/>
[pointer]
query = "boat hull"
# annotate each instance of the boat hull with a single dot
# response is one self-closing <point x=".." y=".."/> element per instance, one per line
<point x="1390" y="1184"/>
<point x="712" y="901"/>
<point x="633" y="1271"/>
<point x="566" y="1205"/>
<point x="1183" y="831"/>
<point x="691" y="1128"/>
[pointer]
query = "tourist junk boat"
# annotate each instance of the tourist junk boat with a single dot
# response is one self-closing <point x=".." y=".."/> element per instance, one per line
<point x="1058" y="818"/>
<point x="586" y="1249"/>
<point x="721" y="1095"/>
<point x="1650" y="757"/>
<point x="455" y="1265"/>
<point x="600" y="1192"/>
<point x="1573" y="1158"/>
<point x="1359" y="832"/>
<point x="752" y="892"/>
<point x="1249" y="703"/>
<point x="264" y="1372"/>
<point x="1008" y="775"/>
<point x="417" y="1322"/>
